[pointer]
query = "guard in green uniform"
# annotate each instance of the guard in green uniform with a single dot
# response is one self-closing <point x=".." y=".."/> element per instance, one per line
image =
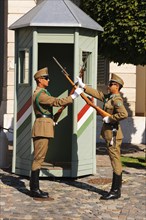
<point x="111" y="129"/>
<point x="43" y="128"/>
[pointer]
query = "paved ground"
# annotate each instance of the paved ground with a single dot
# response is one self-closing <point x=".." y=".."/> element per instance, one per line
<point x="77" y="199"/>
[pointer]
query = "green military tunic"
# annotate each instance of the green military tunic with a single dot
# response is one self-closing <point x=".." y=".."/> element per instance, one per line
<point x="43" y="128"/>
<point x="113" y="104"/>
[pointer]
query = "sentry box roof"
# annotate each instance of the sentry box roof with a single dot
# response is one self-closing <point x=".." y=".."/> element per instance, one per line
<point x="56" y="13"/>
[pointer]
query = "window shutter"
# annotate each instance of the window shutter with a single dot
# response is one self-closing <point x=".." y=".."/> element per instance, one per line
<point x="103" y="71"/>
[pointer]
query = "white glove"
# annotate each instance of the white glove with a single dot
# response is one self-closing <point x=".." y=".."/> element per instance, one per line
<point x="76" y="93"/>
<point x="107" y="119"/>
<point x="55" y="123"/>
<point x="80" y="82"/>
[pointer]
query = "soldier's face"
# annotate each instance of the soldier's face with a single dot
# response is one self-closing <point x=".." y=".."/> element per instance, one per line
<point x="113" y="87"/>
<point x="44" y="81"/>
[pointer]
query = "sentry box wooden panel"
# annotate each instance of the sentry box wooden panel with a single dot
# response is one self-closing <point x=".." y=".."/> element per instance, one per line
<point x="72" y="153"/>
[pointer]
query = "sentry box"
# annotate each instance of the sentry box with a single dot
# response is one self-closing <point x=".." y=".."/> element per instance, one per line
<point x="56" y="29"/>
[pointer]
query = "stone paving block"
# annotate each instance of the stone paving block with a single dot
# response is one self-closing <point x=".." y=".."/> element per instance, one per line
<point x="74" y="199"/>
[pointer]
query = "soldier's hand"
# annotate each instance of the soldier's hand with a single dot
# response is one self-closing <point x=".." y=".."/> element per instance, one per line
<point x="55" y="123"/>
<point x="80" y="82"/>
<point x="107" y="119"/>
<point x="76" y="93"/>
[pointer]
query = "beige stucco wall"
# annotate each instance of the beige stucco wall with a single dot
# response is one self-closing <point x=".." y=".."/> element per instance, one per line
<point x="134" y="94"/>
<point x="16" y="9"/>
<point x="135" y="100"/>
<point x="141" y="90"/>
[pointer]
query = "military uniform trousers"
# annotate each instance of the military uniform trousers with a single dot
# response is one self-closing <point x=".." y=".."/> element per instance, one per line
<point x="114" y="154"/>
<point x="40" y="151"/>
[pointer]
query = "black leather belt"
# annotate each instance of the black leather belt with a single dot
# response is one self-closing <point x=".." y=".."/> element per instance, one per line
<point x="44" y="116"/>
<point x="115" y="125"/>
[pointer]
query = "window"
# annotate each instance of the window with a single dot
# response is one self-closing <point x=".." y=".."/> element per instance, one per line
<point x="86" y="60"/>
<point x="103" y="71"/>
<point x="24" y="57"/>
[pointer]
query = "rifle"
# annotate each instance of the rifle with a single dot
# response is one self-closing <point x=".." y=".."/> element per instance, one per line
<point x="87" y="100"/>
<point x="59" y="112"/>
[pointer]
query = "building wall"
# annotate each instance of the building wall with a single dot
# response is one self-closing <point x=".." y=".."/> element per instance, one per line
<point x="3" y="58"/>
<point x="134" y="130"/>
<point x="134" y="82"/>
<point x="141" y="90"/>
<point x="134" y="95"/>
<point x="16" y="9"/>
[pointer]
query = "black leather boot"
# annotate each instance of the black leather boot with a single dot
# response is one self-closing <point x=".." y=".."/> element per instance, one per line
<point x="34" y="186"/>
<point x="115" y="191"/>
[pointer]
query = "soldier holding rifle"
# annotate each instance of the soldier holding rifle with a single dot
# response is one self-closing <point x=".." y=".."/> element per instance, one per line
<point x="111" y="130"/>
<point x="43" y="128"/>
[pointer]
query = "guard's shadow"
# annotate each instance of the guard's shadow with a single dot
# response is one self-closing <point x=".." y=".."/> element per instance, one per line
<point x="81" y="185"/>
<point x="15" y="182"/>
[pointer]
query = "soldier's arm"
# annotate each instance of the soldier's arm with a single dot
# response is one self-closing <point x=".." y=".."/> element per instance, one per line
<point x="53" y="101"/>
<point x="95" y="93"/>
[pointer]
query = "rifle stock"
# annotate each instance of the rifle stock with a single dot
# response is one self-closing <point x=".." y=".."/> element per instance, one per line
<point x="87" y="100"/>
<point x="58" y="113"/>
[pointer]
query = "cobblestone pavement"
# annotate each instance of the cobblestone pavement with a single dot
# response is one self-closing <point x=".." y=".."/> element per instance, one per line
<point x="76" y="199"/>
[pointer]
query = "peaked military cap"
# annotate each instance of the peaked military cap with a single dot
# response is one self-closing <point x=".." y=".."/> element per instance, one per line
<point x="41" y="73"/>
<point x="115" y="78"/>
